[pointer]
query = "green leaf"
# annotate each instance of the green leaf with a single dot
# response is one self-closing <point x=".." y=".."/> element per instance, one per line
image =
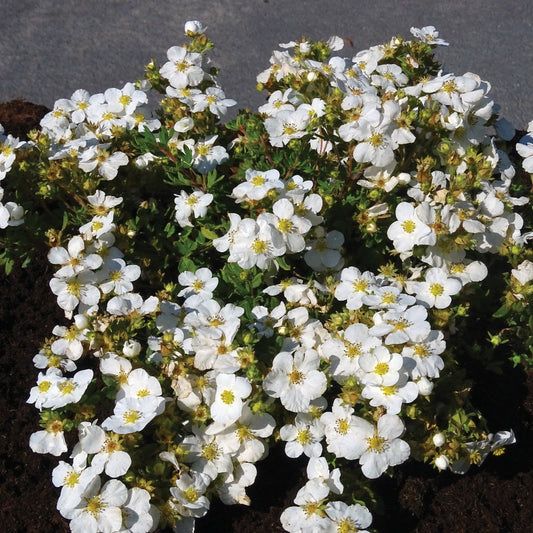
<point x="208" y="234"/>
<point x="282" y="263"/>
<point x="501" y="312"/>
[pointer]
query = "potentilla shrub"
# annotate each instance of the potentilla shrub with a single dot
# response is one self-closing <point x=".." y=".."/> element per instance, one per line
<point x="318" y="274"/>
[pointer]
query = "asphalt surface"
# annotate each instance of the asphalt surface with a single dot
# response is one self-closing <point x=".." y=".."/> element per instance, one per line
<point x="48" y="48"/>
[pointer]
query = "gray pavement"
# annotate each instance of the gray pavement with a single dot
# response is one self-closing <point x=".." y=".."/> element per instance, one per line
<point x="48" y="49"/>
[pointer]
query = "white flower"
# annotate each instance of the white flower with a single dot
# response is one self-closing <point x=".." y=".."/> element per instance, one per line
<point x="295" y="379"/>
<point x="525" y="150"/>
<point x="201" y="283"/>
<point x="72" y="290"/>
<point x="400" y="327"/>
<point x="133" y="414"/>
<point x="139" y="384"/>
<point x="233" y="488"/>
<point x="194" y="27"/>
<point x="213" y="99"/>
<point x="118" y="277"/>
<point x="425" y="355"/>
<point x="381" y="367"/>
<point x="247" y="436"/>
<point x="307" y="515"/>
<point x="286" y="125"/>
<point x="182" y="68"/>
<point x="73" y="260"/>
<point x="191" y="204"/>
<point x="74" y="480"/>
<point x="138" y="515"/>
<point x="442" y="462"/>
<point x="383" y="448"/>
<point x="50" y="440"/>
<point x="69" y="390"/>
<point x="210" y="454"/>
<point x="256" y="243"/>
<point x="230" y="393"/>
<point x="257" y="185"/>
<point x="524" y="272"/>
<point x="353" y="286"/>
<point x="291" y="226"/>
<point x="205" y="155"/>
<point x="45" y="390"/>
<point x="324" y="252"/>
<point x="109" y="455"/>
<point x="70" y="341"/>
<point x="409" y="229"/>
<point x="391" y="396"/>
<point x="304" y="436"/>
<point x="341" y="428"/>
<point x="189" y="494"/>
<point x="348" y="518"/>
<point x="437" y="289"/>
<point x="429" y="35"/>
<point x="99" y="509"/>
<point x="106" y="163"/>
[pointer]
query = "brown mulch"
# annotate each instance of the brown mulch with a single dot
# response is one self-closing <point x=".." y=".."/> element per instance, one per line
<point x="495" y="498"/>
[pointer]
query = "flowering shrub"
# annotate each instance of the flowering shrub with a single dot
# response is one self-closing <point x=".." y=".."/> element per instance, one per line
<point x="316" y="274"/>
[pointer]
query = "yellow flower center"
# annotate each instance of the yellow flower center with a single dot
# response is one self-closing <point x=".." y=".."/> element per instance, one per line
<point x="190" y="495"/>
<point x="228" y="397"/>
<point x="131" y="416"/>
<point x="259" y="246"/>
<point x="198" y="285"/>
<point x="285" y="225"/>
<point x="295" y="377"/>
<point x="210" y="451"/>
<point x="354" y="350"/>
<point x="202" y="149"/>
<point x="376" y="139"/>
<point x="258" y="180"/>
<point x="346" y="525"/>
<point x="381" y="369"/>
<point x="95" y="505"/>
<point x="67" y="387"/>
<point x="303" y="437"/>
<point x="408" y="226"/>
<point x="360" y="285"/>
<point x="71" y="479"/>
<point x="44" y="386"/>
<point x="436" y="289"/>
<point x="376" y="443"/>
<point x="342" y="426"/>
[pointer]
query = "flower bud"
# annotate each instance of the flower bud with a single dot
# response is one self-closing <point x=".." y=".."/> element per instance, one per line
<point x="194" y="27"/>
<point x="439" y="439"/>
<point x="425" y="387"/>
<point x="131" y="348"/>
<point x="442" y="462"/>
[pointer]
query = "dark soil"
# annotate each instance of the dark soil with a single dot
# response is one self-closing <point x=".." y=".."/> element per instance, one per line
<point x="496" y="498"/>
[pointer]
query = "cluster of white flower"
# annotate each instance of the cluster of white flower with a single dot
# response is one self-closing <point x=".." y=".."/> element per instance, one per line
<point x="257" y="242"/>
<point x="11" y="214"/>
<point x="347" y="352"/>
<point x="82" y="127"/>
<point x="375" y="110"/>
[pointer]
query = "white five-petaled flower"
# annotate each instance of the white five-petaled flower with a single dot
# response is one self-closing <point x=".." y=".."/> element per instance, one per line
<point x="133" y="414"/>
<point x="231" y="390"/>
<point x="410" y="228"/>
<point x="99" y="508"/>
<point x="191" y="204"/>
<point x="381" y="445"/>
<point x="436" y="290"/>
<point x="295" y="379"/>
